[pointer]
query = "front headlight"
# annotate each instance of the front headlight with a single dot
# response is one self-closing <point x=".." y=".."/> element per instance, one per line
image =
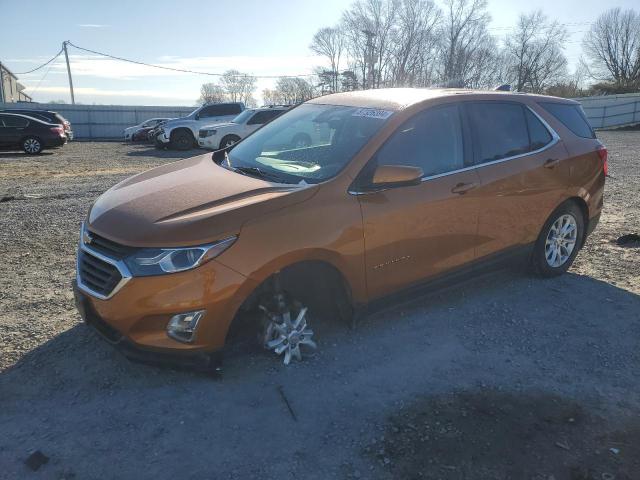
<point x="208" y="133"/>
<point x="158" y="261"/>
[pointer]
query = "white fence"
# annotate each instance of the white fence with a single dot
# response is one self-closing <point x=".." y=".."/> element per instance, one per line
<point x="108" y="121"/>
<point x="609" y="111"/>
<point x="103" y="121"/>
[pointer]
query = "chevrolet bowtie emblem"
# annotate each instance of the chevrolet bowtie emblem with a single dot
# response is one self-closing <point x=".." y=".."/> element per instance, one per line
<point x="86" y="238"/>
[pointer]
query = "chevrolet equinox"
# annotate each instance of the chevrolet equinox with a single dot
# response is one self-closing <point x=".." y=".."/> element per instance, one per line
<point x="407" y="187"/>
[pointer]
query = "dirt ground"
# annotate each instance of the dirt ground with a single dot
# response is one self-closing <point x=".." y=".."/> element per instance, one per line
<point x="505" y="376"/>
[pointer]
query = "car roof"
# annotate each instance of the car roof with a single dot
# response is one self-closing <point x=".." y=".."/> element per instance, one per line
<point x="25" y="116"/>
<point x="396" y="99"/>
<point x="263" y="109"/>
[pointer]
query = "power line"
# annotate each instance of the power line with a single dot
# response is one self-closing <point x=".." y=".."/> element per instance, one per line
<point x="33" y="92"/>
<point x="43" y="65"/>
<point x="181" y="69"/>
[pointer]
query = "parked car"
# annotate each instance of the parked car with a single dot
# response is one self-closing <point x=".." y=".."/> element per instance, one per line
<point x="226" y="134"/>
<point x="412" y="187"/>
<point x="142" y="134"/>
<point x="29" y="133"/>
<point x="151" y="123"/>
<point x="181" y="133"/>
<point x="154" y="132"/>
<point x="47" y="116"/>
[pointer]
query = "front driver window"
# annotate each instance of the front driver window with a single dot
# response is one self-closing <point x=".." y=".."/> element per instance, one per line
<point x="431" y="140"/>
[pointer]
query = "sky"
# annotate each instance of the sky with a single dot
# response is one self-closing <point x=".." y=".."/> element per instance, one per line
<point x="268" y="37"/>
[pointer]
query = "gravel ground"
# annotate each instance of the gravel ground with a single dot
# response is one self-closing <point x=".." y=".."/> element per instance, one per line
<point x="505" y="376"/>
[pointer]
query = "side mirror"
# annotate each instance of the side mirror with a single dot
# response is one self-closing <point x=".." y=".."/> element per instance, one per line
<point x="391" y="176"/>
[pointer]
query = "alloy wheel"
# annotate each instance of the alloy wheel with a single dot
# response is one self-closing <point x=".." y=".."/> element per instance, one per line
<point x="561" y="240"/>
<point x="31" y="145"/>
<point x="284" y="335"/>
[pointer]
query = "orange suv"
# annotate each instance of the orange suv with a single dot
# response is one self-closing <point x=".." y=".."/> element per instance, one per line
<point x="396" y="189"/>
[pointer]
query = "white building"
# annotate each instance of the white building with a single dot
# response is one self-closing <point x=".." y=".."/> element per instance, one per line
<point x="11" y="91"/>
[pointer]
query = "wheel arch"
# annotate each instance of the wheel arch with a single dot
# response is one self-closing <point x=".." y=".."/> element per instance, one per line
<point x="37" y="137"/>
<point x="325" y="282"/>
<point x="220" y="145"/>
<point x="584" y="208"/>
<point x="177" y="130"/>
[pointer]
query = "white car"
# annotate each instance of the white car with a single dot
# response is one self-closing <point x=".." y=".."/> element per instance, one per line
<point x="181" y="133"/>
<point x="152" y="122"/>
<point x="224" y="135"/>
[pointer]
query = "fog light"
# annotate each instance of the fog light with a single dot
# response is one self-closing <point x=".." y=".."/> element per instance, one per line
<point x="181" y="327"/>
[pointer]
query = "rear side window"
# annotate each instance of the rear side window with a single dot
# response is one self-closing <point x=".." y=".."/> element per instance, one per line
<point x="223" y="109"/>
<point x="10" y="121"/>
<point x="538" y="133"/>
<point x="572" y="117"/>
<point x="432" y="140"/>
<point x="500" y="130"/>
<point x="264" y="116"/>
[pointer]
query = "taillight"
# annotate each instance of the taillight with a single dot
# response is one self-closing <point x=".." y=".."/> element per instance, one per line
<point x="604" y="156"/>
<point x="58" y="130"/>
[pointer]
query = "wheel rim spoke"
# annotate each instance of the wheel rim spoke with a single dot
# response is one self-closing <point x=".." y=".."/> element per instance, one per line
<point x="561" y="240"/>
<point x="284" y="336"/>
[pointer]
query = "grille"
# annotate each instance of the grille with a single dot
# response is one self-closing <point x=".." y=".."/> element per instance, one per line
<point x="109" y="248"/>
<point x="98" y="275"/>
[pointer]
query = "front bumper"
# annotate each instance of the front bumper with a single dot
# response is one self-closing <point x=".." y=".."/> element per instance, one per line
<point x="193" y="360"/>
<point x="162" y="138"/>
<point x="210" y="143"/>
<point x="136" y="316"/>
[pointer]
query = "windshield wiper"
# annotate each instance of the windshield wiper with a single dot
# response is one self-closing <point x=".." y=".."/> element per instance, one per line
<point x="257" y="172"/>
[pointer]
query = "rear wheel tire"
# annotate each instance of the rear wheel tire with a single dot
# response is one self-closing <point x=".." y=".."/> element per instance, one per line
<point x="32" y="145"/>
<point x="559" y="241"/>
<point x="182" y="140"/>
<point x="229" y="140"/>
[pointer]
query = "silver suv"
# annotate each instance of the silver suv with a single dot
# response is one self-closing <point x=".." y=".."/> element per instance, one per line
<point x="181" y="133"/>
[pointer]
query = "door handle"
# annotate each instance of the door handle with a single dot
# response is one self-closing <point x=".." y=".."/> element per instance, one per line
<point x="462" y="188"/>
<point x="551" y="163"/>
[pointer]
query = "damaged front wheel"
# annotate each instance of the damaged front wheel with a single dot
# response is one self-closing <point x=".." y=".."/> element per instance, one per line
<point x="285" y="328"/>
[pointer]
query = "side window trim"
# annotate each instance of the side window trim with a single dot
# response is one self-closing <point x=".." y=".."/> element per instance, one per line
<point x="467" y="156"/>
<point x="555" y="138"/>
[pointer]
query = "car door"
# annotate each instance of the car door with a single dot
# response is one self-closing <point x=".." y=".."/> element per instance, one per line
<point x="415" y="232"/>
<point x="12" y="129"/>
<point x="522" y="177"/>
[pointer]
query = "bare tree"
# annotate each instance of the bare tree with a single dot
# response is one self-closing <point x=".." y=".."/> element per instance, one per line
<point x="238" y="87"/>
<point x="534" y="53"/>
<point x="466" y="46"/>
<point x="414" y="43"/>
<point x="368" y="27"/>
<point x="329" y="43"/>
<point x="211" y="93"/>
<point x="613" y="47"/>
<point x="288" y="91"/>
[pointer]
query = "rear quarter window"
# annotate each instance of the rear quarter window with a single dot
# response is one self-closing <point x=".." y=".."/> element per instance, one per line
<point x="572" y="117"/>
<point x="225" y="109"/>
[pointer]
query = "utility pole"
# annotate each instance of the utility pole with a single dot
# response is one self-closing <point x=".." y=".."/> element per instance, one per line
<point x="66" y="56"/>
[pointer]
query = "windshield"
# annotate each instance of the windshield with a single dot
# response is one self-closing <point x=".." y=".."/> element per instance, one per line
<point x="311" y="142"/>
<point x="243" y="116"/>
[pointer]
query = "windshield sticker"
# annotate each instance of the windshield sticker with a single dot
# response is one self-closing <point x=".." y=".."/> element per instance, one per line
<point x="372" y="113"/>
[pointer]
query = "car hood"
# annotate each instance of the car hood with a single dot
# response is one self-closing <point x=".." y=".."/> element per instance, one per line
<point x="219" y="125"/>
<point x="190" y="202"/>
<point x="176" y="122"/>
